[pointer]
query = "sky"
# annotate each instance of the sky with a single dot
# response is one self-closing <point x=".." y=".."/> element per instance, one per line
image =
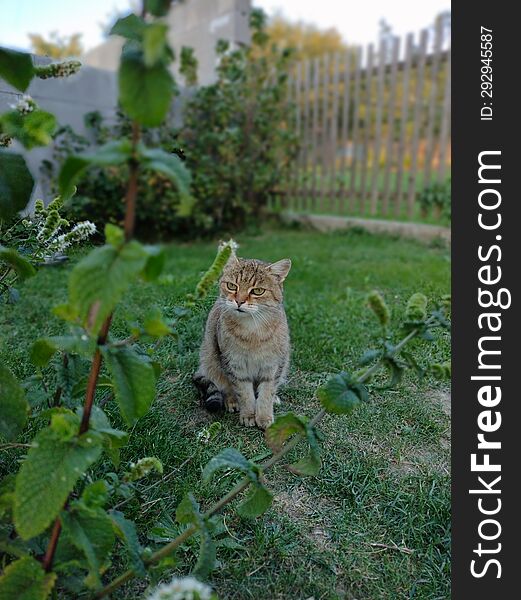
<point x="357" y="21"/>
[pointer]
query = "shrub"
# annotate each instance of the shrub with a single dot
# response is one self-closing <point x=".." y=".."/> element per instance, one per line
<point x="236" y="139"/>
<point x="436" y="199"/>
<point x="236" y="133"/>
<point x="99" y="196"/>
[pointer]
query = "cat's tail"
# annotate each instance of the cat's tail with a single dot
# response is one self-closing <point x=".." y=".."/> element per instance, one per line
<point x="211" y="398"/>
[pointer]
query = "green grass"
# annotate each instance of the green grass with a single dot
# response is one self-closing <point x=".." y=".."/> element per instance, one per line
<point x="355" y="205"/>
<point x="385" y="476"/>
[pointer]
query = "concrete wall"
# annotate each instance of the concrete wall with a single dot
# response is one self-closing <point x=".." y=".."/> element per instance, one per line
<point x="68" y="99"/>
<point x="326" y="223"/>
<point x="198" y="24"/>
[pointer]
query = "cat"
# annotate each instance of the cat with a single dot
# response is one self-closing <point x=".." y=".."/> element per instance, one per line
<point x="245" y="352"/>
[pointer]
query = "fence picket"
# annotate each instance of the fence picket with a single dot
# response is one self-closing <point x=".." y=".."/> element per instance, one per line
<point x="344" y="130"/>
<point x="429" y="136"/>
<point x="367" y="126"/>
<point x="334" y="137"/>
<point x="403" y="124"/>
<point x="445" y="123"/>
<point x="382" y="57"/>
<point x="325" y="134"/>
<point x="356" y="130"/>
<point x="316" y="85"/>
<point x="390" y="126"/>
<point x="420" y="72"/>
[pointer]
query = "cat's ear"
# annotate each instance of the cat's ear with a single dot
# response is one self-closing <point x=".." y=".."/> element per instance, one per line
<point x="280" y="268"/>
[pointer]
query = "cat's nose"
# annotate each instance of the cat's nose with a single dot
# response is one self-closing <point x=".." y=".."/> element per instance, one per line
<point x="239" y="302"/>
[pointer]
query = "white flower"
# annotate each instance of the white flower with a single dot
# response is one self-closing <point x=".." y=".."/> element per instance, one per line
<point x="203" y="436"/>
<point x="25" y="105"/>
<point x="185" y="588"/>
<point x="80" y="231"/>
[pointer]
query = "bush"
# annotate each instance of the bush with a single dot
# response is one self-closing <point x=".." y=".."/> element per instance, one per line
<point x="236" y="140"/>
<point x="436" y="199"/>
<point x="237" y="136"/>
<point x="100" y="194"/>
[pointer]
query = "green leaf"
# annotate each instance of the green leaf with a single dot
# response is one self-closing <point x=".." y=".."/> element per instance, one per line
<point x="155" y="43"/>
<point x="47" y="475"/>
<point x="33" y="129"/>
<point x="379" y="307"/>
<point x="25" y="579"/>
<point x="114" y="235"/>
<point x="97" y="283"/>
<point x="155" y="263"/>
<point x="126" y="531"/>
<point x="13" y="405"/>
<point x="22" y="267"/>
<point x="90" y="531"/>
<point x="188" y="511"/>
<point x="416" y="309"/>
<point x="158" y="8"/>
<point x="206" y="559"/>
<point x="95" y="494"/>
<point x="337" y="395"/>
<point x="396" y="371"/>
<point x="99" y="422"/>
<point x="145" y="93"/>
<point x="309" y="466"/>
<point x="155" y="324"/>
<point x="6" y="504"/>
<point x="16" y="184"/>
<point x="130" y="27"/>
<point x="256" y="503"/>
<point x="369" y="356"/>
<point x="172" y="166"/>
<point x="41" y="352"/>
<point x="284" y="427"/>
<point x="44" y="349"/>
<point x="134" y="381"/>
<point x="16" y="68"/>
<point x="112" y="153"/>
<point x="229" y="458"/>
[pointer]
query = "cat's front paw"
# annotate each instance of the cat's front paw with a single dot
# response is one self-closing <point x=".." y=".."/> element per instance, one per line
<point x="231" y="404"/>
<point x="247" y="419"/>
<point x="263" y="420"/>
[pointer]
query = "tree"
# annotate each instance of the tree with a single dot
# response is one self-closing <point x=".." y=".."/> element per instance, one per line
<point x="307" y="40"/>
<point x="57" y="46"/>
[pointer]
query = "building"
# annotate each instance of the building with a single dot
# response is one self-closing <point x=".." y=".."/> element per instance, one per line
<point x="198" y="24"/>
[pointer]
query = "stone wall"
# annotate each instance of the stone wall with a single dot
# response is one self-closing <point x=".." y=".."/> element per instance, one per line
<point x="68" y="99"/>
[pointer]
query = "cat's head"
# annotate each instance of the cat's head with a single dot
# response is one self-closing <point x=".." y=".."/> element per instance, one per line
<point x="249" y="285"/>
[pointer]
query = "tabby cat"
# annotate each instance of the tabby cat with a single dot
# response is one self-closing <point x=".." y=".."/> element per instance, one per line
<point x="245" y="351"/>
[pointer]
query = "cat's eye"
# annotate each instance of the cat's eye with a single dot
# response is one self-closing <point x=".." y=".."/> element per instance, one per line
<point x="258" y="291"/>
<point x="231" y="286"/>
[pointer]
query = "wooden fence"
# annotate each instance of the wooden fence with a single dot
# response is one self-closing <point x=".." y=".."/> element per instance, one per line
<point x="373" y="128"/>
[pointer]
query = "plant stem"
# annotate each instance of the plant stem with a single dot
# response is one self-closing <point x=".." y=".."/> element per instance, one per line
<point x="130" y="218"/>
<point x="92" y="382"/>
<point x="51" y="546"/>
<point x="131" y="195"/>
<point x="244" y="483"/>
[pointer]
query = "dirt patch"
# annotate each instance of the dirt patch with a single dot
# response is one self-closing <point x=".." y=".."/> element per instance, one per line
<point x="421" y="459"/>
<point x="443" y="399"/>
<point x="299" y="505"/>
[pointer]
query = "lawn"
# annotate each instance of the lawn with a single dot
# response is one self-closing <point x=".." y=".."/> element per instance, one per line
<point x="375" y="523"/>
